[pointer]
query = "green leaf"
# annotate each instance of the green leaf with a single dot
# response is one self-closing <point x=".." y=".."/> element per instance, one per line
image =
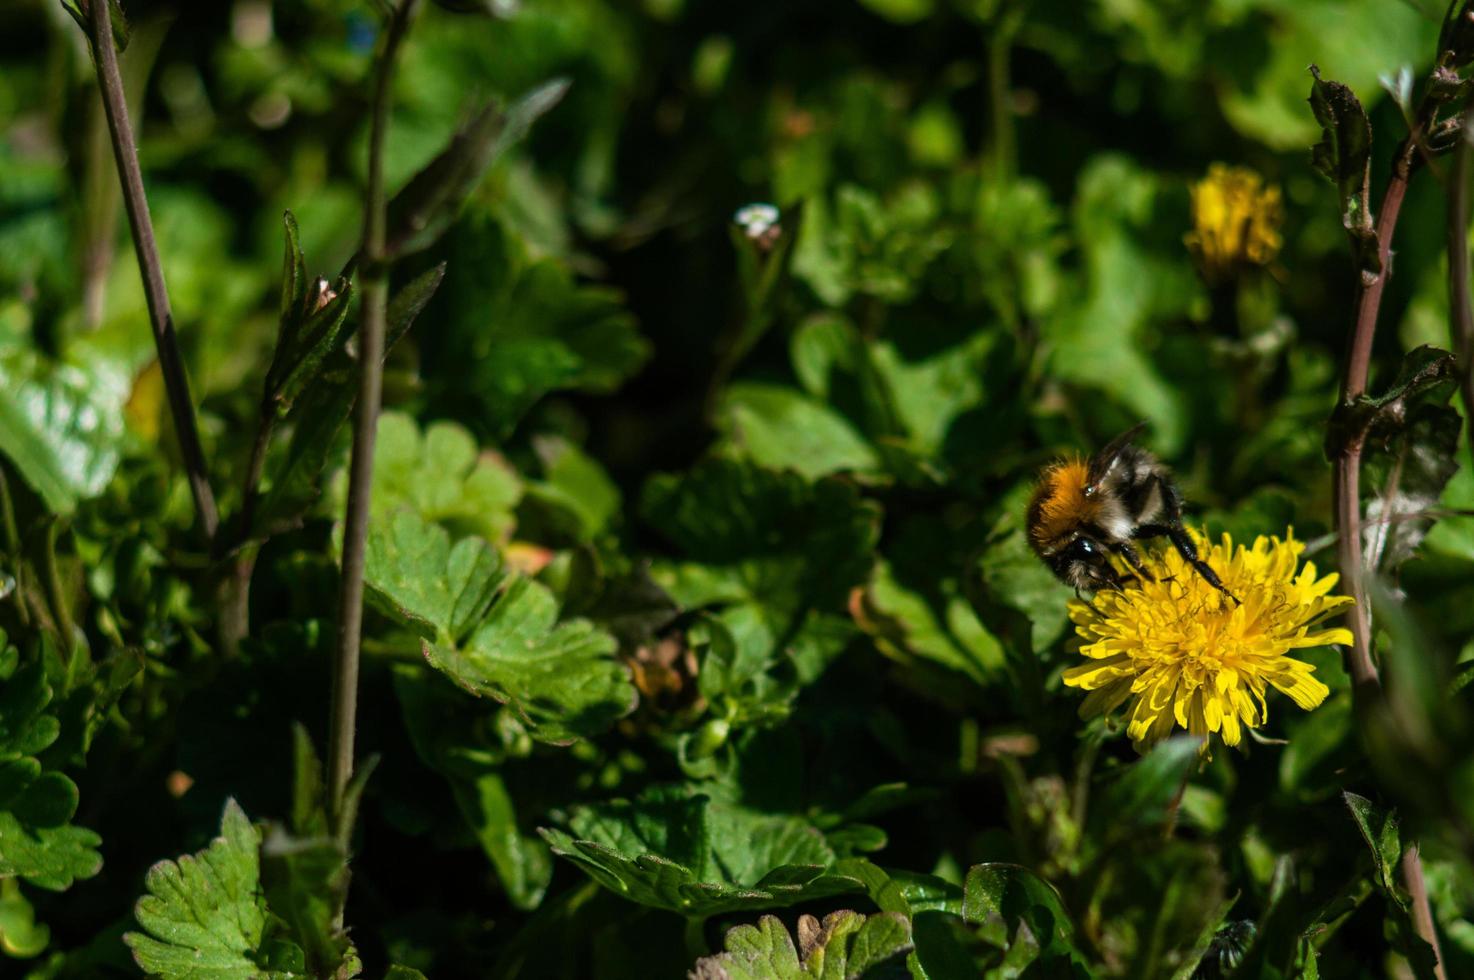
<point x="901" y="11"/>
<point x="1379" y="830"/>
<point x="575" y="484"/>
<point x="397" y="972"/>
<point x="1344" y="157"/>
<point x="845" y="945"/>
<point x="497" y="635"/>
<point x="905" y="624"/>
<point x="62" y="427"/>
<point x="1142" y="797"/>
<point x="20" y="934"/>
<point x="779" y="428"/>
<point x="690" y="854"/>
<point x="1019" y="897"/>
<point x="37" y="841"/>
<point x="416" y="575"/>
<point x="319" y="415"/>
<point x="1135" y="279"/>
<point x="204" y="915"/>
<point x="422" y="211"/>
<point x="442" y="475"/>
<point x="294" y="269"/>
<point x="453" y="741"/>
<point x="120" y="26"/>
<point x="513" y="328"/>
<point x="773" y="538"/>
<point x="303" y="879"/>
<point x="308" y="339"/>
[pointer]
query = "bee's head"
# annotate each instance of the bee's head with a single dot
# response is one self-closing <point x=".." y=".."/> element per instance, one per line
<point x="1085" y="565"/>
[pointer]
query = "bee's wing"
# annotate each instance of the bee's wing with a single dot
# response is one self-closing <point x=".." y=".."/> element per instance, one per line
<point x="1100" y="463"/>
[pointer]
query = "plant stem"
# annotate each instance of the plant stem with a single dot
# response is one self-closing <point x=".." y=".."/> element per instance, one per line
<point x="375" y="285"/>
<point x="1348" y="459"/>
<point x="13" y="547"/>
<point x="1461" y="306"/>
<point x="1367" y="682"/>
<point x="171" y="363"/>
<point x="56" y="592"/>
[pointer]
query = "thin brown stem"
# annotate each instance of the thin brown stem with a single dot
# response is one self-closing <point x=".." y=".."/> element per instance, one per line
<point x="1348" y="460"/>
<point x="1422" y="911"/>
<point x="1367" y="683"/>
<point x="375" y="286"/>
<point x="171" y="363"/>
<point x="1461" y="305"/>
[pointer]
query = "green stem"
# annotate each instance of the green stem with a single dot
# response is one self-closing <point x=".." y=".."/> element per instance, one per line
<point x="13" y="548"/>
<point x="55" y="592"/>
<point x="375" y="287"/>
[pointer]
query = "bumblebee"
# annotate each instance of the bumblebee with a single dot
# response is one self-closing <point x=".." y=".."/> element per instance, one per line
<point x="1085" y="511"/>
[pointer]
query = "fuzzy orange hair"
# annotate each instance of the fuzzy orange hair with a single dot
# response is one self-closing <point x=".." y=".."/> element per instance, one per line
<point x="1059" y="504"/>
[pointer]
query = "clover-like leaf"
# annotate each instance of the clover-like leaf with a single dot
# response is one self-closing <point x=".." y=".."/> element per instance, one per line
<point x="687" y="853"/>
<point x="37" y="840"/>
<point x="845" y="945"/>
<point x="204" y="915"/>
<point x="442" y="474"/>
<point x="496" y="634"/>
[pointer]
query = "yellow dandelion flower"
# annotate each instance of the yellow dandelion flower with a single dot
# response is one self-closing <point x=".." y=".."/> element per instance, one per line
<point x="1236" y="220"/>
<point x="1187" y="656"/>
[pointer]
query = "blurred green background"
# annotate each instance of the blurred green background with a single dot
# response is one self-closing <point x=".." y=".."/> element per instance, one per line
<point x="980" y="263"/>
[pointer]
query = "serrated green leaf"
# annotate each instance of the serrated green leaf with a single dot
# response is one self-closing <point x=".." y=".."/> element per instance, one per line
<point x="37" y="842"/>
<point x="689" y="854"/>
<point x="494" y="634"/>
<point x="441" y="474"/>
<point x="416" y="575"/>
<point x="1021" y="899"/>
<point x="204" y="915"/>
<point x="845" y="945"/>
<point x="561" y="677"/>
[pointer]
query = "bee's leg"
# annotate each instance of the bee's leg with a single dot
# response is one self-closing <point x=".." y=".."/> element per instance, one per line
<point x="1185" y="546"/>
<point x="1127" y="552"/>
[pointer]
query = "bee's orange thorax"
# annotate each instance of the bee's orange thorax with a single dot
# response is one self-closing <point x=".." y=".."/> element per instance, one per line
<point x="1059" y="505"/>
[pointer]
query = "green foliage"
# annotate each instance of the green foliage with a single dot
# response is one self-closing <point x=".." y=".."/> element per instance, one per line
<point x="704" y="630"/>
<point x="698" y="856"/>
<point x="204" y="915"/>
<point x="495" y="633"/>
<point x="846" y="944"/>
<point x="38" y="841"/>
